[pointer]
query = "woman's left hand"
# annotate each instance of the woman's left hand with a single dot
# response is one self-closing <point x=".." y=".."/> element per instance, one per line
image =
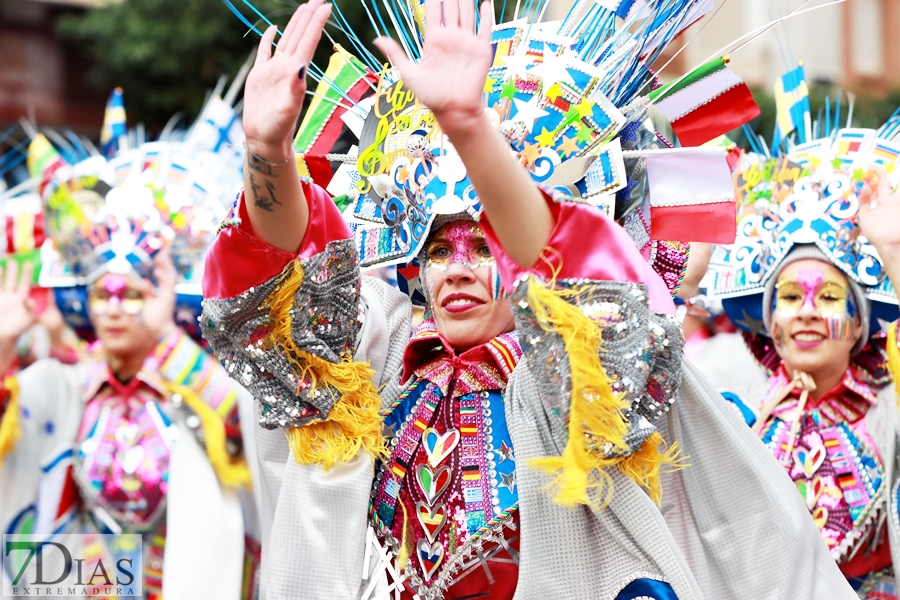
<point x="159" y="304"/>
<point x="879" y="216"/>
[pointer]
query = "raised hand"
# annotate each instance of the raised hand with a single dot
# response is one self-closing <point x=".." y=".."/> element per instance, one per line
<point x="15" y="305"/>
<point x="879" y="215"/>
<point x="449" y="78"/>
<point x="159" y="304"/>
<point x="273" y="94"/>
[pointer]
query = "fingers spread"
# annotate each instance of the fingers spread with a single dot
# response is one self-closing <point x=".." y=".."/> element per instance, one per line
<point x="307" y="45"/>
<point x="25" y="280"/>
<point x="290" y="32"/>
<point x="451" y="12"/>
<point x="467" y="14"/>
<point x="264" y="51"/>
<point x="884" y="186"/>
<point x="486" y="13"/>
<point x="11" y="275"/>
<point x="395" y="55"/>
<point x="432" y="14"/>
<point x="303" y="26"/>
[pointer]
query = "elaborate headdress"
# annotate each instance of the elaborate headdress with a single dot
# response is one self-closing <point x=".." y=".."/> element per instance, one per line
<point x="807" y="196"/>
<point x="115" y="215"/>
<point x="571" y="98"/>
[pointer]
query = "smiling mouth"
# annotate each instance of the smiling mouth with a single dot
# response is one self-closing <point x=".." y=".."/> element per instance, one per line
<point x="456" y="303"/>
<point x="808" y="336"/>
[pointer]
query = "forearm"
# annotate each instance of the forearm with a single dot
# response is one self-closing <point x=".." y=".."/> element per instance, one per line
<point x="274" y="197"/>
<point x="516" y="208"/>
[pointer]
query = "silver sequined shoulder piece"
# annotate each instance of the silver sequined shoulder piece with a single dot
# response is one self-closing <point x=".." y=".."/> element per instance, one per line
<point x="641" y="352"/>
<point x="325" y="316"/>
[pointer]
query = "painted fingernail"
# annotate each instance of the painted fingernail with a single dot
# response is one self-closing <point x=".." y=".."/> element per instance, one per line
<point x="302" y="72"/>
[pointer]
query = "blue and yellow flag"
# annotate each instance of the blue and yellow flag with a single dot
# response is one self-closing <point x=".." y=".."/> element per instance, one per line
<point x="114" y="130"/>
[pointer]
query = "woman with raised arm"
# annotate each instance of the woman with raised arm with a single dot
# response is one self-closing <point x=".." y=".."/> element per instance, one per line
<point x="523" y="441"/>
<point x="810" y="280"/>
<point x="143" y="435"/>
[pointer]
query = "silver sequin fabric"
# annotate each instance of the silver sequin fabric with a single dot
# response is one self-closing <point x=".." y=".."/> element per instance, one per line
<point x="641" y="353"/>
<point x="326" y="319"/>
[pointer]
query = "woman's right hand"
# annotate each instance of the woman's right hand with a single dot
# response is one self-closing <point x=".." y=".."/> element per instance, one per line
<point x="275" y="87"/>
<point x="16" y="307"/>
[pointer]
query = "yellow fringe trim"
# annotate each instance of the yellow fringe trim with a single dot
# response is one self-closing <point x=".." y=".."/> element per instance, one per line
<point x="354" y="422"/>
<point x="232" y="472"/>
<point x="595" y="414"/>
<point x="893" y="361"/>
<point x="10" y="432"/>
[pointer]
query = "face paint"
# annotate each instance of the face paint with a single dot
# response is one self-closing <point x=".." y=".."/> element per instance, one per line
<point x="459" y="242"/>
<point x="115" y="292"/>
<point x="811" y="288"/>
<point x="839" y="328"/>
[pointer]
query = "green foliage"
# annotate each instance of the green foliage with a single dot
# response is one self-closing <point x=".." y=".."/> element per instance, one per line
<point x="167" y="54"/>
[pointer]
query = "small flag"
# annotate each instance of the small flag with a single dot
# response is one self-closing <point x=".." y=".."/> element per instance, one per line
<point x="43" y="160"/>
<point x="114" y="132"/>
<point x="792" y="104"/>
<point x="886" y="153"/>
<point x="691" y="196"/>
<point x="217" y="128"/>
<point x="346" y="81"/>
<point x="706" y="103"/>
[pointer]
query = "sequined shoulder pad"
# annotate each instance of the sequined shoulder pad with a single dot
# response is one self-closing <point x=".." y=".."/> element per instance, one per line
<point x="325" y="318"/>
<point x="641" y="350"/>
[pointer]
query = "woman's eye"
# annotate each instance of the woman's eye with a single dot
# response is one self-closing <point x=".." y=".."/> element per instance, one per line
<point x="484" y="251"/>
<point x="439" y="252"/>
<point x="789" y="297"/>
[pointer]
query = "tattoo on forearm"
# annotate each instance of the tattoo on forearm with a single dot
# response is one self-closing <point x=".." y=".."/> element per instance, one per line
<point x="260" y="165"/>
<point x="265" y="200"/>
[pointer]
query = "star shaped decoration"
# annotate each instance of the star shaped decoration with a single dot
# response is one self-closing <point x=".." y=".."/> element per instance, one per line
<point x="554" y="92"/>
<point x="568" y="147"/>
<point x="584" y="135"/>
<point x="505" y="452"/>
<point x="545" y="138"/>
<point x="489" y="85"/>
<point x="508" y="480"/>
<point x="890" y="167"/>
<point x="584" y="108"/>
<point x="528" y="112"/>
<point x="754" y="325"/>
<point x="884" y="325"/>
<point x="572" y="116"/>
<point x="836" y="163"/>
<point x="518" y="63"/>
<point x="508" y="90"/>
<point x="403" y="174"/>
<point x="859" y="174"/>
<point x="814" y="162"/>
<point x="552" y="69"/>
<point x="530" y="153"/>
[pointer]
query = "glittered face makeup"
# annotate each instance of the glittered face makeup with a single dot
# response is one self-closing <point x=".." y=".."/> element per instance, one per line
<point x="114" y="291"/>
<point x="462" y="242"/>
<point x="818" y="292"/>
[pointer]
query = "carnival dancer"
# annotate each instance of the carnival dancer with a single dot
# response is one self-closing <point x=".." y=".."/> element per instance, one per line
<point x="559" y="375"/>
<point x="809" y="279"/>
<point x="143" y="437"/>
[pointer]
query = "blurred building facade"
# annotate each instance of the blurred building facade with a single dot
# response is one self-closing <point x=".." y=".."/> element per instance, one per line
<point x="854" y="45"/>
<point x="41" y="76"/>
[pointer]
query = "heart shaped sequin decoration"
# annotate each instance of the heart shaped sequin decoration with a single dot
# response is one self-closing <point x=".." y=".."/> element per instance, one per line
<point x="130" y="459"/>
<point x="432" y="483"/>
<point x="810" y="460"/>
<point x="128" y="434"/>
<point x="811" y="491"/>
<point x="820" y="516"/>
<point x="431" y="519"/>
<point x="431" y="555"/>
<point x="437" y="446"/>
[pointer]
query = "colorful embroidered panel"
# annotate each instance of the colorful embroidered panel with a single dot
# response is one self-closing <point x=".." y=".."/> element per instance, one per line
<point x="838" y="474"/>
